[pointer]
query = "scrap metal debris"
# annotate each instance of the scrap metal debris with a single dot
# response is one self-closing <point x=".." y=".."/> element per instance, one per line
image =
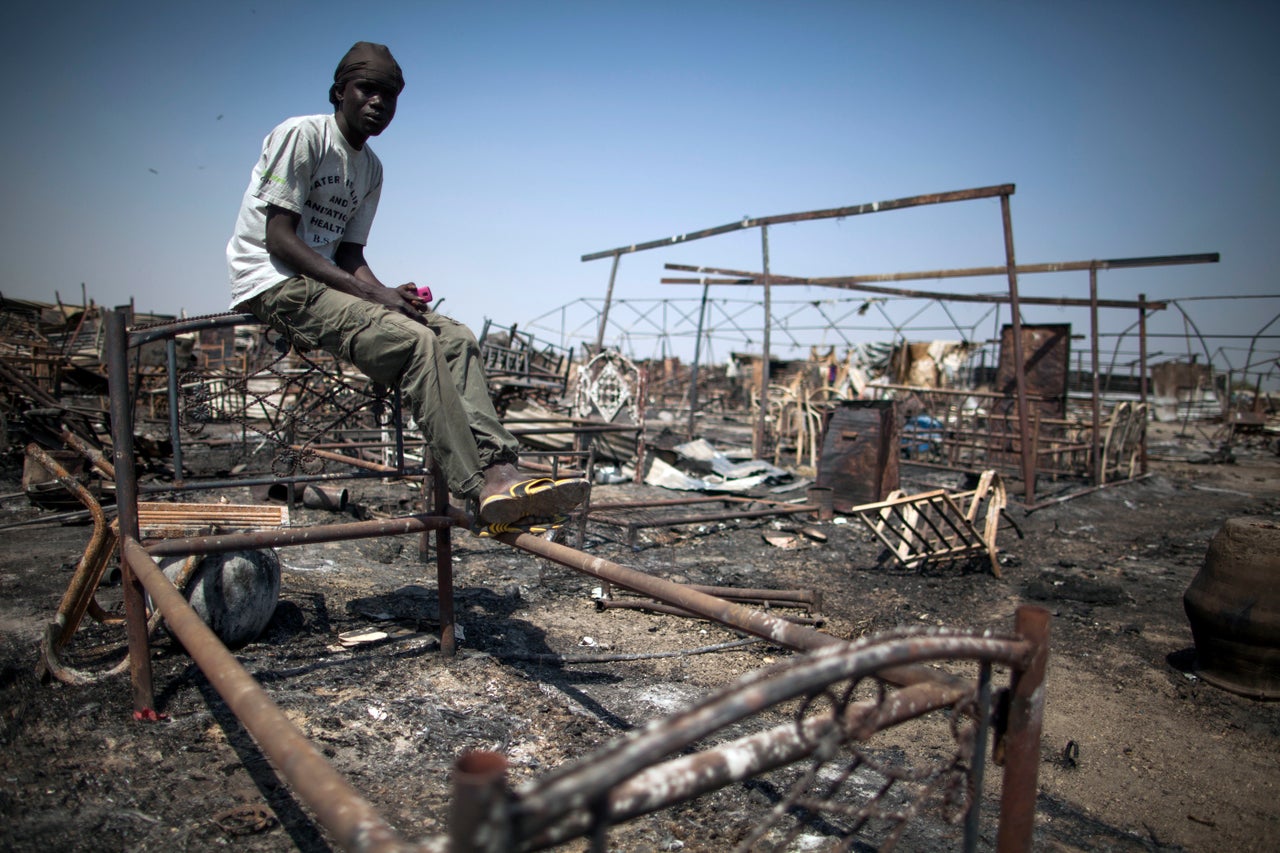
<point x="940" y="526"/>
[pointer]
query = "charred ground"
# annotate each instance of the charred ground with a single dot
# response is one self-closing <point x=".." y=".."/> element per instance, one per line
<point x="1138" y="753"/>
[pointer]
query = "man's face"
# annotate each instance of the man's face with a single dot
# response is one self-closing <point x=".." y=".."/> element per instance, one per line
<point x="367" y="106"/>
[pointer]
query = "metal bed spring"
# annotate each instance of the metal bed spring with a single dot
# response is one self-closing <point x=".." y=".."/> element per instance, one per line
<point x="813" y="716"/>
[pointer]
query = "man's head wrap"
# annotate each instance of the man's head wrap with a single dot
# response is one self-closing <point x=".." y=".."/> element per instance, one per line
<point x="366" y="61"/>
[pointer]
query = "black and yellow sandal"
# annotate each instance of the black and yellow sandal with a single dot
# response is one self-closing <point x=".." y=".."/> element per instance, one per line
<point x="540" y="497"/>
<point x="529" y="524"/>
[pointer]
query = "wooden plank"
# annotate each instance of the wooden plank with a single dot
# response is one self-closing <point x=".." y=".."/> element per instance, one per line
<point x="186" y="519"/>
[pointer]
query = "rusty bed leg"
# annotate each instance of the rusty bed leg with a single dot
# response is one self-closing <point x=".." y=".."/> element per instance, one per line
<point x="341" y="810"/>
<point x="1022" y="736"/>
<point x="135" y="609"/>
<point x="78" y="598"/>
<point x="479" y="811"/>
<point x="444" y="564"/>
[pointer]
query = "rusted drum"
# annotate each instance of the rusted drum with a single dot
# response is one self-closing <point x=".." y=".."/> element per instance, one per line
<point x="317" y="497"/>
<point x="235" y="594"/>
<point x="823" y="497"/>
<point x="1233" y="605"/>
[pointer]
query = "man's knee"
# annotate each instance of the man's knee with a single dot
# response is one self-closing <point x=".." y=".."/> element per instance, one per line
<point x="455" y="337"/>
<point x="390" y="345"/>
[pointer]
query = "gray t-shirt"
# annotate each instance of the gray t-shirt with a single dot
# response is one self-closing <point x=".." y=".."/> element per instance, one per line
<point x="307" y="166"/>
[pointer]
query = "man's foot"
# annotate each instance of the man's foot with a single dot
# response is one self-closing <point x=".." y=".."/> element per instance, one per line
<point x="498" y="478"/>
<point x="539" y="497"/>
<point x="528" y="524"/>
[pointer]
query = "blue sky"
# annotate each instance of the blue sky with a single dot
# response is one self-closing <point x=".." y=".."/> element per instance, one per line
<point x="533" y="133"/>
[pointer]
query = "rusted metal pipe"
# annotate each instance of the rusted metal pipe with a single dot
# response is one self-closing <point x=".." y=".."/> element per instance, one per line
<point x="586" y="429"/>
<point x="697" y="358"/>
<point x="760" y="597"/>
<point x="861" y="282"/>
<point x="1021" y="737"/>
<point x="95" y="456"/>
<point x="734" y="593"/>
<point x="978" y="763"/>
<point x="135" y="609"/>
<point x="145" y="334"/>
<point x="341" y="810"/>
<point x="608" y="301"/>
<point x="1087" y="491"/>
<point x="88" y="572"/>
<point x="349" y="460"/>
<point x="673" y="610"/>
<point x="704" y="499"/>
<point x="581" y="785"/>
<point x="53" y="664"/>
<point x="762" y="414"/>
<point x="479" y="811"/>
<point x="317" y="497"/>
<point x="745" y="619"/>
<point x="699" y="603"/>
<point x="222" y="543"/>
<point x="727" y="515"/>
<point x="968" y="272"/>
<point x="1019" y="357"/>
<point x="854" y="283"/>
<point x="808" y="216"/>
<point x="1142" y="373"/>
<point x="272" y="480"/>
<point x="1095" y="388"/>
<point x="681" y="779"/>
<point x="444" y="565"/>
<point x="175" y="437"/>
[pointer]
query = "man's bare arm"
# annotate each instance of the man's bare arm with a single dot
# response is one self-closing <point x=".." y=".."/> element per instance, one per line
<point x="348" y="273"/>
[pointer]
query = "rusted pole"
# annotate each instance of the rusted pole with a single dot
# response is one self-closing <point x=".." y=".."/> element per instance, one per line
<point x="171" y="359"/>
<point x="75" y="601"/>
<point x="746" y="277"/>
<point x="1061" y="499"/>
<point x="707" y="606"/>
<point x="1019" y="362"/>
<point x="1022" y="735"/>
<point x="697" y="357"/>
<point x="582" y="785"/>
<point x="682" y="779"/>
<point x="808" y="216"/>
<point x="806" y="596"/>
<point x="757" y="436"/>
<point x="671" y="609"/>
<point x="353" y="822"/>
<point x="399" y="431"/>
<point x="138" y="337"/>
<point x="664" y="502"/>
<point x="444" y="564"/>
<point x="745" y="619"/>
<point x="981" y="298"/>
<point x="135" y="610"/>
<point x="479" y="811"/>
<point x="727" y="515"/>
<point x="1142" y="367"/>
<point x="977" y="774"/>
<point x="608" y="300"/>
<point x="1096" y="443"/>
<point x="223" y="543"/>
<point x="351" y="460"/>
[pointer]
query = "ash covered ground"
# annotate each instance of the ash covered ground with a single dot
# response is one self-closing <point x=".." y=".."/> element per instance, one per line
<point x="1138" y="753"/>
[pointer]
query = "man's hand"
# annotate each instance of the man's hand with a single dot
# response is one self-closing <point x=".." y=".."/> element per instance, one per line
<point x="348" y="272"/>
<point x="403" y="299"/>
<point x="418" y="297"/>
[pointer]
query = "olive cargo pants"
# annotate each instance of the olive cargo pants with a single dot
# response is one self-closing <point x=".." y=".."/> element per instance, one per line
<point x="436" y="366"/>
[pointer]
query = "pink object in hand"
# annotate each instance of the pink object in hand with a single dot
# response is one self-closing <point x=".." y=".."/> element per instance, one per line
<point x="424" y="293"/>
